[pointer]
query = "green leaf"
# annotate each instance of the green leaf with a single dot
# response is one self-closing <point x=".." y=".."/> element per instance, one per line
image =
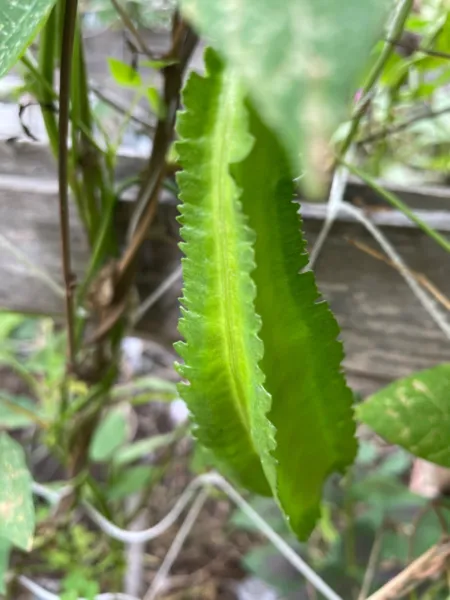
<point x="16" y="501"/>
<point x="147" y="384"/>
<point x="131" y="481"/>
<point x="156" y="102"/>
<point x="19" y="23"/>
<point x="222" y="350"/>
<point x="300" y="61"/>
<point x="109" y="436"/>
<point x="17" y="411"/>
<point x="311" y="403"/>
<point x="143" y="448"/>
<point x="123" y="74"/>
<point x="414" y="413"/>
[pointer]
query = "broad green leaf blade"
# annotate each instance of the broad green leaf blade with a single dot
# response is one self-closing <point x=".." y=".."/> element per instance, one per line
<point x="110" y="435"/>
<point x="414" y="413"/>
<point x="311" y="403"/>
<point x="300" y="61"/>
<point x="222" y="350"/>
<point x="16" y="501"/>
<point x="19" y="23"/>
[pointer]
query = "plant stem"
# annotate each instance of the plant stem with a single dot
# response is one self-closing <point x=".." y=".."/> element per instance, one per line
<point x="69" y="26"/>
<point x="400" y="205"/>
<point x="395" y="32"/>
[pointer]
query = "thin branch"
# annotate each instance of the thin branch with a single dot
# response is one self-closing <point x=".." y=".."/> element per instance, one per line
<point x="338" y="186"/>
<point x="126" y="20"/>
<point x="34" y="269"/>
<point x="431" y="564"/>
<point x="418" y="292"/>
<point x="371" y="565"/>
<point x="176" y="546"/>
<point x="69" y="26"/>
<point x="123" y="110"/>
<point x="419" y="277"/>
<point x="156" y="295"/>
<point x="207" y="479"/>
<point x="395" y="201"/>
<point x="428" y="51"/>
<point x="394" y="33"/>
<point x="383" y="133"/>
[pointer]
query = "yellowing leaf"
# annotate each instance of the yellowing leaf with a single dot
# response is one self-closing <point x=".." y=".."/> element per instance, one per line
<point x="16" y="502"/>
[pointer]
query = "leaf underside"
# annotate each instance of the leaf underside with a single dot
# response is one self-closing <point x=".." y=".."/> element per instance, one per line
<point x="311" y="403"/>
<point x="19" y="22"/>
<point x="300" y="61"/>
<point x="221" y="349"/>
<point x="414" y="413"/>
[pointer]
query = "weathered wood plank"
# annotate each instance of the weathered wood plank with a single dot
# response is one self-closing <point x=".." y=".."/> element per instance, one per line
<point x="386" y="332"/>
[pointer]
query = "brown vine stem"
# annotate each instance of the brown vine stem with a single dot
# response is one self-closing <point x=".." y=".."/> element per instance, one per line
<point x="69" y="25"/>
<point x="383" y="133"/>
<point x="430" y="565"/>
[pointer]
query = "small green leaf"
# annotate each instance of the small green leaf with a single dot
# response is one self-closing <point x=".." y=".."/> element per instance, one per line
<point x="131" y="481"/>
<point x="414" y="413"/>
<point x="300" y="61"/>
<point x="142" y="448"/>
<point x="159" y="64"/>
<point x="156" y="102"/>
<point x="16" y="501"/>
<point x="19" y="23"/>
<point x="110" y="435"/>
<point x="124" y="74"/>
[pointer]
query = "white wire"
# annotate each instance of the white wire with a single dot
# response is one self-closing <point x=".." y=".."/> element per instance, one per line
<point x="338" y="185"/>
<point x="176" y="546"/>
<point x="44" y="594"/>
<point x="145" y="535"/>
<point x="156" y="295"/>
<point x="218" y="481"/>
<point x="428" y="304"/>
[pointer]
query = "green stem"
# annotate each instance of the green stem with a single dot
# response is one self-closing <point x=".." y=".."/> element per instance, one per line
<point x="400" y="205"/>
<point x="395" y="32"/>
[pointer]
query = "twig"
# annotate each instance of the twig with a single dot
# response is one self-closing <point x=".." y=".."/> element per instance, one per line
<point x="419" y="293"/>
<point x="69" y="26"/>
<point x="338" y="186"/>
<point x="395" y="31"/>
<point x="113" y="103"/>
<point x="431" y="563"/>
<point x="156" y="295"/>
<point x="37" y="271"/>
<point x="371" y="565"/>
<point x="429" y="51"/>
<point x="395" y="201"/>
<point x="176" y="546"/>
<point x="218" y="481"/>
<point x="419" y="277"/>
<point x="126" y="20"/>
<point x="382" y="133"/>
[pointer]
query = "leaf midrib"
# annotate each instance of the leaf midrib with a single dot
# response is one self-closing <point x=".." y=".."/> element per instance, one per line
<point x="221" y="207"/>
